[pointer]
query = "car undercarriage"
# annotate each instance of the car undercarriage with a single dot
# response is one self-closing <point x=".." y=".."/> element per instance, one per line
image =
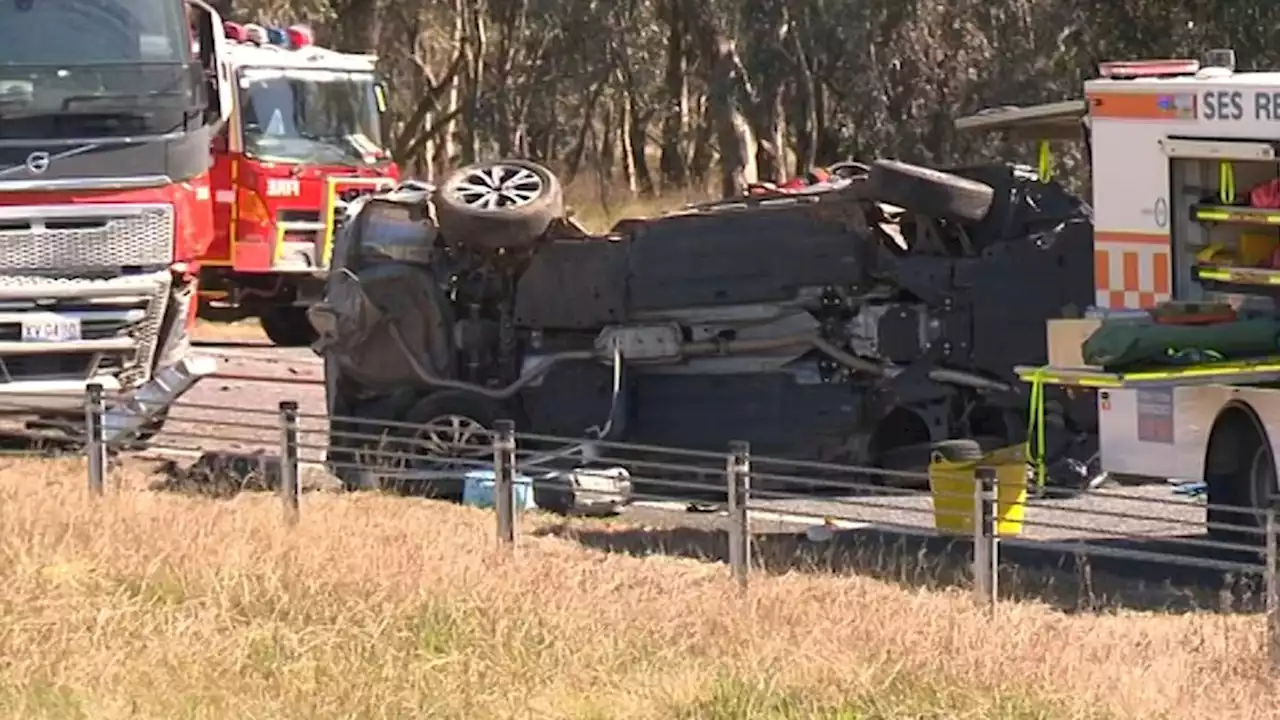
<point x="859" y="323"/>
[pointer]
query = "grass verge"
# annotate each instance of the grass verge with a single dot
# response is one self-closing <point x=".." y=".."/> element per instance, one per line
<point x="154" y="605"/>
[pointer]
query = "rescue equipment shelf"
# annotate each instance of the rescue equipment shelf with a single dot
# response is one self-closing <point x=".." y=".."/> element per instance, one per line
<point x="1235" y="214"/>
<point x="1261" y="371"/>
<point x="1228" y="275"/>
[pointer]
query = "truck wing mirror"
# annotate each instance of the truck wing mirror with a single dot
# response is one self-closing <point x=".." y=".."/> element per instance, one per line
<point x="213" y="56"/>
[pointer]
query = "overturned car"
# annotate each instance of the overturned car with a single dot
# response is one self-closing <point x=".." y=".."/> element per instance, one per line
<point x="860" y="324"/>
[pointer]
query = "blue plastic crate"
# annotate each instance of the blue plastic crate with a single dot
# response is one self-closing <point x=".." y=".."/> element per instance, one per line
<point x="478" y="490"/>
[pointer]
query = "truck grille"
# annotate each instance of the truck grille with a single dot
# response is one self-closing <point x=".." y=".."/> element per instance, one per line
<point x="128" y="308"/>
<point x="70" y="239"/>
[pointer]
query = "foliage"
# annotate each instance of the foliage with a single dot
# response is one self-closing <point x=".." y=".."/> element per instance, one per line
<point x="662" y="94"/>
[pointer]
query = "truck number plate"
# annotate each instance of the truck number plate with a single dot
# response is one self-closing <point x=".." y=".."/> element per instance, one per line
<point x="48" y="327"/>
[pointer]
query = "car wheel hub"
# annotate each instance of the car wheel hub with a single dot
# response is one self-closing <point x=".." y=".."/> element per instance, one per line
<point x="450" y="441"/>
<point x="498" y="187"/>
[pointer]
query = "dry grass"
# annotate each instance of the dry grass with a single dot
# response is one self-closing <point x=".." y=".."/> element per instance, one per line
<point x="241" y="331"/>
<point x="154" y="605"/>
<point x="598" y="208"/>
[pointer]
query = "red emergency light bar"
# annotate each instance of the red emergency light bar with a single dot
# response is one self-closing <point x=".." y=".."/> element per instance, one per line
<point x="1148" y="68"/>
<point x="294" y="37"/>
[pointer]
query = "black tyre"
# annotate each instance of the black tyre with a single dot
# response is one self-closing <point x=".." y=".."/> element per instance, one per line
<point x="1240" y="472"/>
<point x="1246" y="494"/>
<point x="452" y="435"/>
<point x="507" y="204"/>
<point x="928" y="191"/>
<point x="849" y="169"/>
<point x="218" y="314"/>
<point x="959" y="450"/>
<point x="915" y="458"/>
<point x="287" y="326"/>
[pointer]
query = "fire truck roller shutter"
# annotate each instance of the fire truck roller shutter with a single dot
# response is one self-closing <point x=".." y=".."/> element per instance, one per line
<point x="928" y="191"/>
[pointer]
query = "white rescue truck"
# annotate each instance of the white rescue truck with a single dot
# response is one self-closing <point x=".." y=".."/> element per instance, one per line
<point x="1186" y="196"/>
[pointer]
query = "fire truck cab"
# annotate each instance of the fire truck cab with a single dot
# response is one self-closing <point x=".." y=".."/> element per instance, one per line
<point x="107" y="109"/>
<point x="304" y="139"/>
<point x="1186" y="196"/>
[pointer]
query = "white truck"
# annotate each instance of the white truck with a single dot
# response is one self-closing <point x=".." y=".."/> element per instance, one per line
<point x="1186" y="206"/>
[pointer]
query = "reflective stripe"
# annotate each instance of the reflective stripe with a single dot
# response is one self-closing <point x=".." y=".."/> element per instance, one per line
<point x="1131" y="270"/>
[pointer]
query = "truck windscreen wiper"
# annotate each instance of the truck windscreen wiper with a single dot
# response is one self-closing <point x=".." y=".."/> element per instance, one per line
<point x="128" y="100"/>
<point x="45" y="113"/>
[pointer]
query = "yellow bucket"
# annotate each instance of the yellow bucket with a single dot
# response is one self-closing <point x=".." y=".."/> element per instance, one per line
<point x="951" y="484"/>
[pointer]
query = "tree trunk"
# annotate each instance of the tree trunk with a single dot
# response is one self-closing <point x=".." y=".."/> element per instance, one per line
<point x="605" y="156"/>
<point x="769" y="146"/>
<point x="733" y="132"/>
<point x="624" y="137"/>
<point x="639" y="144"/>
<point x="703" y="152"/>
<point x="579" y="148"/>
<point x="476" y="50"/>
<point x="359" y="25"/>
<point x="806" y="125"/>
<point x="446" y="149"/>
<point x="676" y="88"/>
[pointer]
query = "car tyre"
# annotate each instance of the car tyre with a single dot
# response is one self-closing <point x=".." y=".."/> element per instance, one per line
<point x="287" y="326"/>
<point x="928" y="191"/>
<point x="501" y="205"/>
<point x="451" y="433"/>
<point x="915" y="458"/>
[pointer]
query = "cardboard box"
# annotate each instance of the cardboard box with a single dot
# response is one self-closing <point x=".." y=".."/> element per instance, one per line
<point x="1065" y="338"/>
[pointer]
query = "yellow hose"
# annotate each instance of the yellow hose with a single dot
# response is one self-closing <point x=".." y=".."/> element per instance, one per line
<point x="1046" y="162"/>
<point x="1035" y="425"/>
<point x="1226" y="183"/>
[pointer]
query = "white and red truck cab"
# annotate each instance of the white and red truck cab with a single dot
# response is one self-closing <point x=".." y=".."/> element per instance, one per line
<point x="107" y="110"/>
<point x="304" y="138"/>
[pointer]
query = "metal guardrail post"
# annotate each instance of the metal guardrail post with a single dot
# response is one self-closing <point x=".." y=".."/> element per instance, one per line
<point x="504" y="479"/>
<point x="986" y="559"/>
<point x="290" y="487"/>
<point x="1272" y="588"/>
<point x="738" y="476"/>
<point x="95" y="433"/>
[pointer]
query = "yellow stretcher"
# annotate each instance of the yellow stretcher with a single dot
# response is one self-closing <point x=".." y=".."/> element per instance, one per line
<point x="1260" y="371"/>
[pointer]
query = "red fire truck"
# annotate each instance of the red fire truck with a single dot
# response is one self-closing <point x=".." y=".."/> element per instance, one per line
<point x="304" y="139"/>
<point x="107" y="111"/>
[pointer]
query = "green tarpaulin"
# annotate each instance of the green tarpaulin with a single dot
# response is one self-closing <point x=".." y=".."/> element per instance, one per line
<point x="1125" y="344"/>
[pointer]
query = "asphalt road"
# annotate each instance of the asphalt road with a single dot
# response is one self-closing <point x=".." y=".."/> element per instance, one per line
<point x="1125" y="541"/>
<point x="238" y="411"/>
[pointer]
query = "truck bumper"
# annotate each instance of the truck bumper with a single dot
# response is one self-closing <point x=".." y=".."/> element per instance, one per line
<point x="49" y="396"/>
<point x="59" y="335"/>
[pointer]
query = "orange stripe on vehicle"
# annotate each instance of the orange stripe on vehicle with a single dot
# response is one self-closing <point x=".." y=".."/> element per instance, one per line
<point x="1101" y="270"/>
<point x="1109" y="236"/>
<point x="1137" y="106"/>
<point x="1161" y="273"/>
<point x="1132" y="278"/>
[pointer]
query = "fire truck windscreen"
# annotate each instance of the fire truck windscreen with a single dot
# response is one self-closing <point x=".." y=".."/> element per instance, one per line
<point x="95" y="68"/>
<point x="311" y="116"/>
